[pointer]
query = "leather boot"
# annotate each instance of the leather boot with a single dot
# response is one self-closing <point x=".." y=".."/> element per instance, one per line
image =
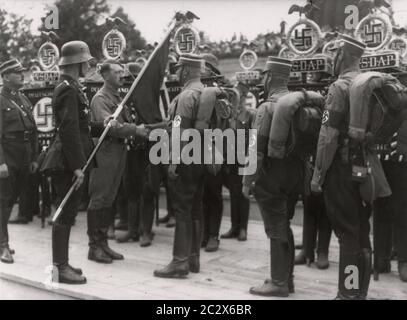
<point x="242" y="235"/>
<point x="60" y="248"/>
<point x="146" y="239"/>
<point x="171" y="222"/>
<point x="194" y="265"/>
<point x="402" y="267"/>
<point x="212" y="245"/>
<point x="96" y="253"/>
<point x="278" y="285"/>
<point x="179" y="266"/>
<point x="300" y="258"/>
<point x="232" y="233"/>
<point x="132" y="218"/>
<point x="345" y="292"/>
<point x="322" y="261"/>
<point x="291" y="258"/>
<point x="106" y="220"/>
<point x="365" y="267"/>
<point x="6" y="256"/>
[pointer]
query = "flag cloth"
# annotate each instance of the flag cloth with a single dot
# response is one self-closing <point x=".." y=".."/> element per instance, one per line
<point x="146" y="96"/>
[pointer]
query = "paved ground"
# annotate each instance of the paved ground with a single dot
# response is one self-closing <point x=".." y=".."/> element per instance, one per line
<point x="226" y="274"/>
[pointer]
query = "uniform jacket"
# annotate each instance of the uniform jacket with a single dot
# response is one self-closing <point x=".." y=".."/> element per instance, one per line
<point x="334" y="130"/>
<point x="16" y="116"/>
<point x="104" y="104"/>
<point x="184" y="108"/>
<point x="72" y="122"/>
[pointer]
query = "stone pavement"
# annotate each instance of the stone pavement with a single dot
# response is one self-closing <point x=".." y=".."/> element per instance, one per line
<point x="225" y="274"/>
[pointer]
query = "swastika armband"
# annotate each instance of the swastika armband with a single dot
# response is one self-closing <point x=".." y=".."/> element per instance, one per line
<point x="333" y="119"/>
<point x="182" y="122"/>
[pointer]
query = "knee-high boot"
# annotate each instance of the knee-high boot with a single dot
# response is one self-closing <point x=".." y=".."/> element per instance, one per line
<point x="349" y="272"/>
<point x="60" y="256"/>
<point x="106" y="220"/>
<point x="194" y="265"/>
<point x="365" y="267"/>
<point x="96" y="253"/>
<point x="179" y="266"/>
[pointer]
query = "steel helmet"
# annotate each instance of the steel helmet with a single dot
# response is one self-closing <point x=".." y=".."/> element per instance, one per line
<point x="74" y="52"/>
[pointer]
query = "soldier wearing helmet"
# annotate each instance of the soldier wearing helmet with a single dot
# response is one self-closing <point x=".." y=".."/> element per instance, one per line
<point x="69" y="151"/>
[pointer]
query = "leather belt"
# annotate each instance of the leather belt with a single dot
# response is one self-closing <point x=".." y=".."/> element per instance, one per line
<point x="18" y="135"/>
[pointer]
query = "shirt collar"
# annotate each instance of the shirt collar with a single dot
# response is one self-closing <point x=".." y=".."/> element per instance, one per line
<point x="110" y="90"/>
<point x="10" y="92"/>
<point x="192" y="83"/>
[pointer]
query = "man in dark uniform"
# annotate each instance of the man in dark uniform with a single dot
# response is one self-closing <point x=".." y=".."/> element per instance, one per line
<point x="242" y="119"/>
<point x="186" y="182"/>
<point x="212" y="196"/>
<point x="111" y="159"/>
<point x="390" y="218"/>
<point x="18" y="146"/>
<point x="333" y="171"/>
<point x="72" y="146"/>
<point x="276" y="183"/>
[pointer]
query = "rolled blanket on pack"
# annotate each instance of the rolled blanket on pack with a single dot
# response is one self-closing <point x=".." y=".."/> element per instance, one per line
<point x="371" y="95"/>
<point x="286" y="108"/>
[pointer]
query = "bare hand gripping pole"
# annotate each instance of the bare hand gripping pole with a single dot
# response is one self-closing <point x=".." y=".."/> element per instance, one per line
<point x="119" y="109"/>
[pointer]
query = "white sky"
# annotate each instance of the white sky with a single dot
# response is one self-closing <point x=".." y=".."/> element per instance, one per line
<point x="219" y="19"/>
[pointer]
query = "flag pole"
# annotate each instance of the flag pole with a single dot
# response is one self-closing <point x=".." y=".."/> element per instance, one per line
<point x="119" y="109"/>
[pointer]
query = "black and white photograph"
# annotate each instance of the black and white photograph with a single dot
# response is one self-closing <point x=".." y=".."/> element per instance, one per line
<point x="207" y="156"/>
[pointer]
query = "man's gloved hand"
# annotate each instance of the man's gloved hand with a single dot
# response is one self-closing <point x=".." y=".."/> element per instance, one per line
<point x="172" y="172"/>
<point x="4" y="171"/>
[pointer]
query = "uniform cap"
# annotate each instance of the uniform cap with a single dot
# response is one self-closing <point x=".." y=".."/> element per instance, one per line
<point x="278" y="65"/>
<point x="212" y="62"/>
<point x="191" y="60"/>
<point x="10" y="66"/>
<point x="349" y="44"/>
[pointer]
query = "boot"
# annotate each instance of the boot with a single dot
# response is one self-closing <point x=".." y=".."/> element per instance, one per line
<point x="120" y="225"/>
<point x="345" y="260"/>
<point x="232" y="233"/>
<point x="242" y="235"/>
<point x="179" y="266"/>
<point x="171" y="222"/>
<point x="146" y="240"/>
<point x="164" y="219"/>
<point x="291" y="258"/>
<point x="278" y="285"/>
<point x="96" y="253"/>
<point x="194" y="265"/>
<point x="365" y="267"/>
<point x="300" y="258"/>
<point x="212" y="245"/>
<point x="106" y="220"/>
<point x="402" y="267"/>
<point x="6" y="256"/>
<point x="60" y="248"/>
<point x="322" y="261"/>
<point x="132" y="218"/>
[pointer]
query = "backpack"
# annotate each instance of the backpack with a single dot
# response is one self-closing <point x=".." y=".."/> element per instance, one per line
<point x="296" y="124"/>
